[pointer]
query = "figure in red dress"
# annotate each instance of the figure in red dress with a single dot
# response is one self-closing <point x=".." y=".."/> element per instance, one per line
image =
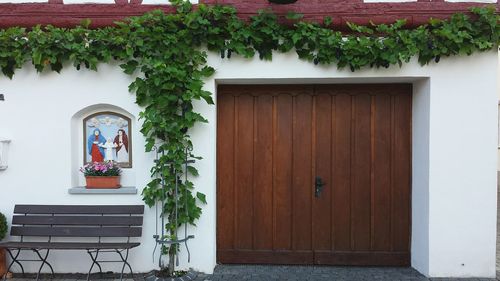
<point x="94" y="143"/>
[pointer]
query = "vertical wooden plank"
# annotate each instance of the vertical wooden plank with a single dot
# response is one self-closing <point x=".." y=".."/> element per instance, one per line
<point x="341" y="171"/>
<point x="225" y="170"/>
<point x="244" y="171"/>
<point x="323" y="167"/>
<point x="361" y="174"/>
<point x="263" y="167"/>
<point x="302" y="176"/>
<point x="402" y="171"/>
<point x="283" y="158"/>
<point x="381" y="172"/>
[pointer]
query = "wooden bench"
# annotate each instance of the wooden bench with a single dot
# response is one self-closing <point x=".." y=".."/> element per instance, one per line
<point x="80" y="223"/>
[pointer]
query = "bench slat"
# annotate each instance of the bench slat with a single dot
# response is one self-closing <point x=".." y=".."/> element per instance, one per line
<point x="77" y="220"/>
<point x="79" y="209"/>
<point x="67" y="245"/>
<point x="76" y="231"/>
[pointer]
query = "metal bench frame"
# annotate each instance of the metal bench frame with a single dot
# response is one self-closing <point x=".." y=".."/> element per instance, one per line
<point x="73" y="221"/>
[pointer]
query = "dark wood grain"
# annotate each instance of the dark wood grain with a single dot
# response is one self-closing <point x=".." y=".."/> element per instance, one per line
<point x="381" y="174"/>
<point x="225" y="171"/>
<point x="67" y="245"/>
<point x="282" y="172"/>
<point x="402" y="173"/>
<point x="76" y="231"/>
<point x="79" y="209"/>
<point x="275" y="139"/>
<point x="78" y="220"/>
<point x="266" y="257"/>
<point x="341" y="171"/>
<point x="263" y="167"/>
<point x="363" y="258"/>
<point x="322" y="211"/>
<point x="75" y="221"/>
<point x="360" y="174"/>
<point x="244" y="176"/>
<point x="303" y="184"/>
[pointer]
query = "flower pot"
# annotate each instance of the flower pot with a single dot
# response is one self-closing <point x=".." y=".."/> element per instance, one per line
<point x="103" y="182"/>
<point x="3" y="263"/>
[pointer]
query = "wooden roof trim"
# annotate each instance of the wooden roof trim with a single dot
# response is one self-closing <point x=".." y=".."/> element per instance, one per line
<point x="68" y="15"/>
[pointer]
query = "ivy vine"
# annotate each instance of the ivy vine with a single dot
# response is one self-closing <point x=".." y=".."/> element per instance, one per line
<point x="170" y="50"/>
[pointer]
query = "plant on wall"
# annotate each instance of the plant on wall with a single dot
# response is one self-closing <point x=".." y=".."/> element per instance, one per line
<point x="3" y="226"/>
<point x="170" y="52"/>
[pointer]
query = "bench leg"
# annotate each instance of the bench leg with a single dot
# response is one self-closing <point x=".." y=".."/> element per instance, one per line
<point x="14" y="260"/>
<point x="94" y="262"/>
<point x="125" y="263"/>
<point x="44" y="261"/>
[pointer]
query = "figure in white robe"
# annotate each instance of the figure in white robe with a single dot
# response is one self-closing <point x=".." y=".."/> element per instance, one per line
<point x="108" y="146"/>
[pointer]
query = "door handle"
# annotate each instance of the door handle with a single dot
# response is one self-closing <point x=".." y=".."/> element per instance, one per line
<point x="318" y="186"/>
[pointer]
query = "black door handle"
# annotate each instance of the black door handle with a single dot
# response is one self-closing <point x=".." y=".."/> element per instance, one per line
<point x="318" y="186"/>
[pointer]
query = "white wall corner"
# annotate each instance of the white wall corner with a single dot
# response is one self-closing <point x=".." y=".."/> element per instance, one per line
<point x="420" y="178"/>
<point x="463" y="174"/>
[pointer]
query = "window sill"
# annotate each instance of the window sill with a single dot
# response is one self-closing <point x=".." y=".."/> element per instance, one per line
<point x="81" y="190"/>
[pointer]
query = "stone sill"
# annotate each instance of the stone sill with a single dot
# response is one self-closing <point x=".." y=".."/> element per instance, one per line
<point x="81" y="190"/>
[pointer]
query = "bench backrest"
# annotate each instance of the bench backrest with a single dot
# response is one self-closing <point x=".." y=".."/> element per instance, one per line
<point x="77" y="220"/>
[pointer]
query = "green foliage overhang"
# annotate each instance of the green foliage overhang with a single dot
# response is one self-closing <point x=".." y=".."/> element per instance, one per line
<point x="170" y="50"/>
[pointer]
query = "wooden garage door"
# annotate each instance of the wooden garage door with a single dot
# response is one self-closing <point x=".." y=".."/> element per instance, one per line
<point x="276" y="143"/>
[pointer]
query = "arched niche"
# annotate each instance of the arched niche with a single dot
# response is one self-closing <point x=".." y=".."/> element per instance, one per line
<point x="78" y="141"/>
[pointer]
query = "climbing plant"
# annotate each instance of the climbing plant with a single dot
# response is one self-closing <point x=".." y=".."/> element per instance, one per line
<point x="168" y="55"/>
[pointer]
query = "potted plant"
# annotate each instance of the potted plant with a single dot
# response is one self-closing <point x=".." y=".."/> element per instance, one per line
<point x="102" y="175"/>
<point x="3" y="232"/>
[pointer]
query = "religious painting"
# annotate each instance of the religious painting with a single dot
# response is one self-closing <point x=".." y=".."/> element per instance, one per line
<point x="107" y="137"/>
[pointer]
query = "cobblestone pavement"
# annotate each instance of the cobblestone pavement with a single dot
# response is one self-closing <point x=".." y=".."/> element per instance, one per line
<point x="309" y="273"/>
<point x="293" y="273"/>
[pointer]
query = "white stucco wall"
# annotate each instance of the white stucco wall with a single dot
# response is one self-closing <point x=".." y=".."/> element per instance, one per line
<point x="498" y="93"/>
<point x="454" y="145"/>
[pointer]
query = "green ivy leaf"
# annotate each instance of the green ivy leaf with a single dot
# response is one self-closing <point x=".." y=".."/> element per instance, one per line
<point x="327" y="21"/>
<point x="129" y="67"/>
<point x="294" y="16"/>
<point x="201" y="197"/>
<point x="193" y="171"/>
<point x="85" y="23"/>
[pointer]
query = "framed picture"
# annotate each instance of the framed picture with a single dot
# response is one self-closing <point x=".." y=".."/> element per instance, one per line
<point x="107" y="136"/>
